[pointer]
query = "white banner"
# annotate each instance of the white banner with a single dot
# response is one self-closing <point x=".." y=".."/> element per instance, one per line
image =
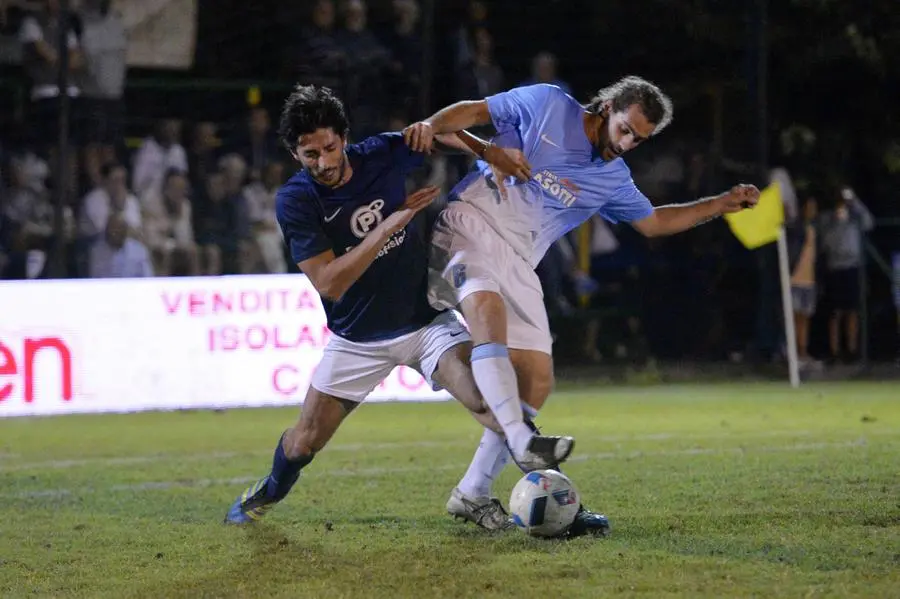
<point x="161" y="33"/>
<point x="120" y="345"/>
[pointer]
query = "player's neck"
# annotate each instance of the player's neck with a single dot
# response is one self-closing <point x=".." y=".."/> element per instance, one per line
<point x="346" y="172"/>
<point x="593" y="126"/>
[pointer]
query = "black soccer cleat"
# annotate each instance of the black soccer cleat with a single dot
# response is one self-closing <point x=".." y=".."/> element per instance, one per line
<point x="544" y="453"/>
<point x="588" y="523"/>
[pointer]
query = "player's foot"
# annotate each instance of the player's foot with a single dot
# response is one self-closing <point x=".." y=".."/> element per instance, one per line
<point x="545" y="452"/>
<point x="251" y="505"/>
<point x="588" y="523"/>
<point x="486" y="512"/>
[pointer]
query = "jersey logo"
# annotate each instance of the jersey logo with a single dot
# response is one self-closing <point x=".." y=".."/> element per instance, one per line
<point x="328" y="219"/>
<point x="366" y="218"/>
<point x="563" y="190"/>
<point x="547" y="140"/>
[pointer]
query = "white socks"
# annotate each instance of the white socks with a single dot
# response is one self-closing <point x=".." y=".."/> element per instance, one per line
<point x="488" y="462"/>
<point x="496" y="380"/>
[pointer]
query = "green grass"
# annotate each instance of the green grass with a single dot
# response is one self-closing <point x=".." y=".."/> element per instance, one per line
<point x="713" y="491"/>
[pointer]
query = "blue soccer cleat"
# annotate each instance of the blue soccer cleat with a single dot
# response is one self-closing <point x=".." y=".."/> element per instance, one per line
<point x="251" y="505"/>
<point x="588" y="523"/>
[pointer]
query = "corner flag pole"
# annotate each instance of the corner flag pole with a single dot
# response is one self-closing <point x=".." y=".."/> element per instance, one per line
<point x="787" y="305"/>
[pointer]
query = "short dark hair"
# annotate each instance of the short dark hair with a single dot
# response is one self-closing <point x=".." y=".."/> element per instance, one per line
<point x="308" y="108"/>
<point x="655" y="105"/>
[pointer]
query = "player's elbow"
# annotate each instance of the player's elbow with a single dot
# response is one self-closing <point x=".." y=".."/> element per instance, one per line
<point x="330" y="293"/>
<point x="331" y="290"/>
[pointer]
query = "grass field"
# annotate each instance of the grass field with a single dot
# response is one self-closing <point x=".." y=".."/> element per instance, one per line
<point x="713" y="491"/>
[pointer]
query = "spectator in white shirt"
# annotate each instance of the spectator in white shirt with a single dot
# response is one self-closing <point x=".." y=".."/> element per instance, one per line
<point x="261" y="210"/>
<point x="104" y="44"/>
<point x="117" y="255"/>
<point x="112" y="196"/>
<point x="159" y="154"/>
<point x="169" y="230"/>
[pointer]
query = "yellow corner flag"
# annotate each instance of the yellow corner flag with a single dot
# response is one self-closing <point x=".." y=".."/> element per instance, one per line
<point x="760" y="225"/>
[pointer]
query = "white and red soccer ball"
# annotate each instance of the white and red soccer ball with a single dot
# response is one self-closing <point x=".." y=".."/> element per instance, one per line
<point x="544" y="503"/>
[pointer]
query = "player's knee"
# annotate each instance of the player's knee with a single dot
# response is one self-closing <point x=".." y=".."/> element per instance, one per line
<point x="538" y="391"/>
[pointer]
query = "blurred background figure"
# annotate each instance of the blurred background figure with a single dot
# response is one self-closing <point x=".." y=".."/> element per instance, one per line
<point x="28" y="211"/>
<point x="260" y="198"/>
<point x="169" y="230"/>
<point x="117" y="254"/>
<point x="203" y="154"/>
<point x="366" y="81"/>
<point x="101" y="109"/>
<point x="159" y="153"/>
<point x="543" y="70"/>
<point x="255" y="142"/>
<point x="802" y="242"/>
<point x="842" y="246"/>
<point x="316" y="56"/>
<point x="39" y="35"/>
<point x="404" y="42"/>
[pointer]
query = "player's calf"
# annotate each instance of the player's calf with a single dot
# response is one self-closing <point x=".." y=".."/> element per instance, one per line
<point x="321" y="416"/>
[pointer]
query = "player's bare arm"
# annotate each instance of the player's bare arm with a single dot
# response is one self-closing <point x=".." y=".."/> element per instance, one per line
<point x="332" y="276"/>
<point x="505" y="161"/>
<point x="456" y="117"/>
<point x="675" y="218"/>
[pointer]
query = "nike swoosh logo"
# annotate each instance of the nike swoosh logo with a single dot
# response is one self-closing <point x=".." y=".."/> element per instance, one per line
<point x="546" y="139"/>
<point x="328" y="219"/>
<point x="457" y="333"/>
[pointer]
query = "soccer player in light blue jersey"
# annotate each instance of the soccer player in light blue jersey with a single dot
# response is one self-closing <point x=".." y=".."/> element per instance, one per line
<point x="498" y="225"/>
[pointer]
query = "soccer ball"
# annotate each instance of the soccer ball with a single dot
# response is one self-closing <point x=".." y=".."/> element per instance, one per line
<point x="544" y="503"/>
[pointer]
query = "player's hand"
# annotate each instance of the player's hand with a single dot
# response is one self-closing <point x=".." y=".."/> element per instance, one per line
<point x="419" y="137"/>
<point x="738" y="198"/>
<point x="508" y="162"/>
<point x="415" y="203"/>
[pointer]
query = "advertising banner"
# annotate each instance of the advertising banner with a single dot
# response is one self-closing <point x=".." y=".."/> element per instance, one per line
<point x="120" y="345"/>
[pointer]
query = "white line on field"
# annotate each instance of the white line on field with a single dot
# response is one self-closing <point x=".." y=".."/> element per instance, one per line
<point x="227" y="455"/>
<point x="217" y="455"/>
<point x="369" y="472"/>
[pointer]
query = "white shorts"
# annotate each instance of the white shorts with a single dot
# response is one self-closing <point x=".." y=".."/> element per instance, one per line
<point x="350" y="370"/>
<point x="467" y="255"/>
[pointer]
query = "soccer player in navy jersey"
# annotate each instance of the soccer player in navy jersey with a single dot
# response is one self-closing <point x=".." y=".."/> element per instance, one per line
<point x="349" y="226"/>
<point x="497" y="227"/>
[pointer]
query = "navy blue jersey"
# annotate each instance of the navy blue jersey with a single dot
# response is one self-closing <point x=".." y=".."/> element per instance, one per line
<point x="389" y="299"/>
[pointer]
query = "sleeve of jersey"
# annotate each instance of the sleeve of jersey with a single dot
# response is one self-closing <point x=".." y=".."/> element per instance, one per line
<point x="401" y="155"/>
<point x="514" y="108"/>
<point x="627" y="204"/>
<point x="300" y="227"/>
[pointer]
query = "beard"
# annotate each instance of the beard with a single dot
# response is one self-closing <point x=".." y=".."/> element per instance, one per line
<point x="333" y="176"/>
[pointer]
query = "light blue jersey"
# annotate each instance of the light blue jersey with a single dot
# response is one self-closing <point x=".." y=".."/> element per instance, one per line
<point x="570" y="181"/>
